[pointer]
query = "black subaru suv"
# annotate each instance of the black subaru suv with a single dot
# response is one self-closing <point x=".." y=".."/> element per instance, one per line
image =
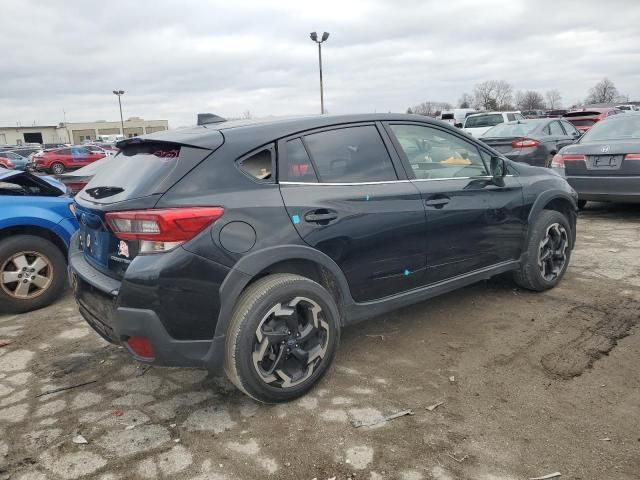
<point x="245" y="247"/>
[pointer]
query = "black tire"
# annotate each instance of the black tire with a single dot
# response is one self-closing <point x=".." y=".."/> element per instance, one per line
<point x="56" y="168"/>
<point x="530" y="274"/>
<point x="55" y="270"/>
<point x="252" y="311"/>
<point x="582" y="204"/>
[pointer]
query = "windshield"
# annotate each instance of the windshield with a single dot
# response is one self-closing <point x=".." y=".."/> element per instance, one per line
<point x="618" y="128"/>
<point x="511" y="130"/>
<point x="488" y="120"/>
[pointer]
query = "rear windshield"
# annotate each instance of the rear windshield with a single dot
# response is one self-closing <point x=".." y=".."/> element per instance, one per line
<point x="582" y="123"/>
<point x="141" y="169"/>
<point x="618" y="128"/>
<point x="483" y="120"/>
<point x="510" y="130"/>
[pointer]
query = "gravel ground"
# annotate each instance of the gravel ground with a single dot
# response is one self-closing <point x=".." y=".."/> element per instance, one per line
<point x="527" y="385"/>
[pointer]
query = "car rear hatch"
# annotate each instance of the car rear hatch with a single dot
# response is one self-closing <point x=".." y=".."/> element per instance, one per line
<point x="583" y="120"/>
<point x="133" y="180"/>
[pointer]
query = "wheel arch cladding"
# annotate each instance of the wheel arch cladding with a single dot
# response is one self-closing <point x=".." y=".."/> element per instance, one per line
<point x="303" y="260"/>
<point x="35" y="231"/>
<point x="561" y="202"/>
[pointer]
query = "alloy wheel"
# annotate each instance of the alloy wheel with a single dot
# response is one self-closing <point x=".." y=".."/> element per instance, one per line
<point x="26" y="275"/>
<point x="552" y="254"/>
<point x="290" y="342"/>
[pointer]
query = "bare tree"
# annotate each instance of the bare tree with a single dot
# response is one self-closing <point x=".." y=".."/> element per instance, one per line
<point x="246" y="115"/>
<point x="529" y="100"/>
<point x="466" y="100"/>
<point x="602" y="92"/>
<point x="430" y="108"/>
<point x="554" y="99"/>
<point x="493" y="94"/>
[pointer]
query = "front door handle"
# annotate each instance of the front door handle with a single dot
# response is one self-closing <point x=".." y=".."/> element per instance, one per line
<point x="320" y="216"/>
<point x="437" y="202"/>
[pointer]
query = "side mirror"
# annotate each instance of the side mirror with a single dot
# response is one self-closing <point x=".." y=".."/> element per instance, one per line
<point x="498" y="168"/>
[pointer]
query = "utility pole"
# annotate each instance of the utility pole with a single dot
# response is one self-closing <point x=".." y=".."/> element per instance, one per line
<point x="119" y="93"/>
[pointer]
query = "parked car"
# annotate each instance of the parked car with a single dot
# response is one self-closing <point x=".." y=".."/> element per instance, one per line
<point x="556" y="113"/>
<point x="532" y="141"/>
<point x="628" y="108"/>
<point x="534" y="113"/>
<point x="456" y="116"/>
<point x="62" y="159"/>
<point x="26" y="151"/>
<point x="77" y="179"/>
<point x="100" y="149"/>
<point x="604" y="165"/>
<point x="479" y="123"/>
<point x="36" y="224"/>
<point x="247" y="246"/>
<point x="9" y="159"/>
<point x="586" y="118"/>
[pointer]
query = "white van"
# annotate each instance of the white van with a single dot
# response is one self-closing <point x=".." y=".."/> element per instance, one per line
<point x="456" y="116"/>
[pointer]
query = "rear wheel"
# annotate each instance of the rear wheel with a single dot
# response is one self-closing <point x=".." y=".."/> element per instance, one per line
<point x="548" y="252"/>
<point x="282" y="337"/>
<point x="32" y="273"/>
<point x="57" y="168"/>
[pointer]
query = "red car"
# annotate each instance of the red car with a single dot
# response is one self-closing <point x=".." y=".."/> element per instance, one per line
<point x="586" y="118"/>
<point x="5" y="162"/>
<point x="62" y="159"/>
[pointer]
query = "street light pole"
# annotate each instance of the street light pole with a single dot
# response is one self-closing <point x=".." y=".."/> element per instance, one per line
<point x="119" y="93"/>
<point x="314" y="37"/>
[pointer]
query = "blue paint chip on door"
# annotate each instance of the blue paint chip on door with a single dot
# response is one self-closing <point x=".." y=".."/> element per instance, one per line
<point x="296" y="219"/>
<point x="406" y="273"/>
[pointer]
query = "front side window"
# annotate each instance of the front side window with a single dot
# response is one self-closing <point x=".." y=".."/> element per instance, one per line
<point x="353" y="154"/>
<point x="511" y="117"/>
<point x="555" y="129"/>
<point x="434" y="154"/>
<point x="570" y="129"/>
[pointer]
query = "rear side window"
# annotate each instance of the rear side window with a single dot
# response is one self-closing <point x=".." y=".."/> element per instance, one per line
<point x="570" y="129"/>
<point x="354" y="154"/>
<point x="258" y="164"/>
<point x="511" y="117"/>
<point x="296" y="166"/>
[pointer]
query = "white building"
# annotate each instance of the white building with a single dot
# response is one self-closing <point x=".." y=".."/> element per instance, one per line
<point x="76" y="132"/>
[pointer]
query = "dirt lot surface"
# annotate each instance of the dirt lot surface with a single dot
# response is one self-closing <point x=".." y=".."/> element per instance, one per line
<point x="530" y="384"/>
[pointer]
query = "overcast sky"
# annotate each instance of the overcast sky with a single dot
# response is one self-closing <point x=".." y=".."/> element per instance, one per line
<point x="177" y="58"/>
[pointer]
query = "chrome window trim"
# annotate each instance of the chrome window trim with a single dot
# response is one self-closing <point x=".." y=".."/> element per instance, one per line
<point x="389" y="181"/>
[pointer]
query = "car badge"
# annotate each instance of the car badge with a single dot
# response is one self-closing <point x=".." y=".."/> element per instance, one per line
<point x="605" y="149"/>
<point x="123" y="249"/>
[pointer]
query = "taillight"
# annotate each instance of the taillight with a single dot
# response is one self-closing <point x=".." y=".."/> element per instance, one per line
<point x="632" y="156"/>
<point x="525" y="143"/>
<point x="559" y="159"/>
<point x="162" y="230"/>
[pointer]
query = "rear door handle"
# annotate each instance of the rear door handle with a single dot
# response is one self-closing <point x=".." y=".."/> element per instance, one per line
<point x="437" y="202"/>
<point x="318" y="216"/>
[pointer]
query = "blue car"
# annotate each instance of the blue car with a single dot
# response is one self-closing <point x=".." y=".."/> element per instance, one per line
<point x="18" y="161"/>
<point x="36" y="224"/>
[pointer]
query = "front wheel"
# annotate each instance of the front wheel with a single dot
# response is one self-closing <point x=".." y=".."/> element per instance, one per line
<point x="282" y="338"/>
<point x="32" y="273"/>
<point x="547" y="253"/>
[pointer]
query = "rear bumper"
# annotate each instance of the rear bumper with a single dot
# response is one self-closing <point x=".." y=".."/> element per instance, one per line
<point x="99" y="299"/>
<point x="607" y="188"/>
